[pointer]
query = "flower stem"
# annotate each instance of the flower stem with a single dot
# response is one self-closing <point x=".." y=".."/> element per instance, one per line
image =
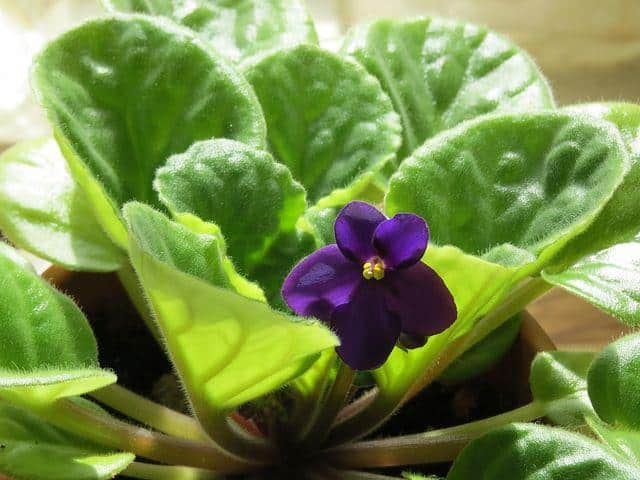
<point x="328" y="410"/>
<point x="385" y="404"/>
<point x="150" y="413"/>
<point x="130" y="282"/>
<point x="112" y="433"/>
<point x="430" y="447"/>
<point x="147" y="471"/>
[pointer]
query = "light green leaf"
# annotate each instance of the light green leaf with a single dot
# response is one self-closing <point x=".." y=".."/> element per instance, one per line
<point x="242" y="30"/>
<point x="227" y="348"/>
<point x="47" y="349"/>
<point x="124" y="93"/>
<point x="559" y="379"/>
<point x="608" y="279"/>
<point x="35" y="450"/>
<point x="198" y="254"/>
<point x="486" y="353"/>
<point x="439" y="73"/>
<point x="328" y="120"/>
<point x="536" y="452"/>
<point x="45" y="212"/>
<point x="475" y="284"/>
<point x="218" y="179"/>
<point x="417" y="476"/>
<point x="239" y="283"/>
<point x="531" y="183"/>
<point x="614" y="383"/>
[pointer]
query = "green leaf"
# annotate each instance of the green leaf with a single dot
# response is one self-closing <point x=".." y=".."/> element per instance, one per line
<point x="124" y="93"/>
<point x="416" y="476"/>
<point x="199" y="255"/>
<point x="439" y="73"/>
<point x="606" y="274"/>
<point x="625" y="443"/>
<point x="536" y="452"/>
<point x="45" y="212"/>
<point x="559" y="379"/>
<point x="614" y="383"/>
<point x="217" y="179"/>
<point x="486" y="353"/>
<point x="284" y="253"/>
<point x="531" y="183"/>
<point x="608" y="279"/>
<point x="35" y="450"/>
<point x="47" y="349"/>
<point x="328" y="120"/>
<point x="243" y="30"/>
<point x="228" y="349"/>
<point x="619" y="220"/>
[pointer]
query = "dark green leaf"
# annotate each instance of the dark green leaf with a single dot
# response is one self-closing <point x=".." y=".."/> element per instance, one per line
<point x="619" y="220"/>
<point x="625" y="443"/>
<point x="243" y="30"/>
<point x="608" y="279"/>
<point x="33" y="450"/>
<point x="125" y="93"/>
<point x="614" y="383"/>
<point x="559" y="379"/>
<point x="536" y="452"/>
<point x="45" y="212"/>
<point x="531" y="183"/>
<point x="244" y="191"/>
<point x="439" y="73"/>
<point x="607" y="275"/>
<point x="328" y="120"/>
<point x="47" y="349"/>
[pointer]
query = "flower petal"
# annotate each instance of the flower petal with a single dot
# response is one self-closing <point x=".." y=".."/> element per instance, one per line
<point x="368" y="331"/>
<point x="401" y="240"/>
<point x="321" y="282"/>
<point x="354" y="229"/>
<point x="421" y="300"/>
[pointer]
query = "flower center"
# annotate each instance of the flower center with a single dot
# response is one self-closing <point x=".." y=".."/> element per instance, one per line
<point x="374" y="268"/>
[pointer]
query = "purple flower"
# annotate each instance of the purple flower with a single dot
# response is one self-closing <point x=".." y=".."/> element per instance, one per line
<point x="371" y="288"/>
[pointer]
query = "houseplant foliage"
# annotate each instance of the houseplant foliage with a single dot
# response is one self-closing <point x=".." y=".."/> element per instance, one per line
<point x="201" y="150"/>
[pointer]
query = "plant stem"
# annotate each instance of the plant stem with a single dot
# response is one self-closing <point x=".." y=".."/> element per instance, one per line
<point x="147" y="471"/>
<point x="328" y="410"/>
<point x="385" y="405"/>
<point x="357" y="406"/>
<point x="110" y="432"/>
<point x="430" y="447"/>
<point x="130" y="282"/>
<point x="235" y="439"/>
<point x="150" y="413"/>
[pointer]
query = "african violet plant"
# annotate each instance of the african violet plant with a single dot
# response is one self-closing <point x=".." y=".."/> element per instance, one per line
<point x="208" y="151"/>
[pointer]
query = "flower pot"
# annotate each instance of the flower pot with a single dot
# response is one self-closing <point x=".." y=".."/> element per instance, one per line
<point x="126" y="347"/>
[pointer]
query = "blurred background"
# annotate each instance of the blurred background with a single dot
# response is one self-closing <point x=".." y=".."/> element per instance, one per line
<point x="589" y="50"/>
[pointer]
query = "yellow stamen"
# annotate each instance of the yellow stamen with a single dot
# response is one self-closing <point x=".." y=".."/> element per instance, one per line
<point x="367" y="271"/>
<point x="373" y="269"/>
<point x="378" y="271"/>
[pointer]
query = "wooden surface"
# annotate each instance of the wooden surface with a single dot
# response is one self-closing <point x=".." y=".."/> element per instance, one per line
<point x="573" y="324"/>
